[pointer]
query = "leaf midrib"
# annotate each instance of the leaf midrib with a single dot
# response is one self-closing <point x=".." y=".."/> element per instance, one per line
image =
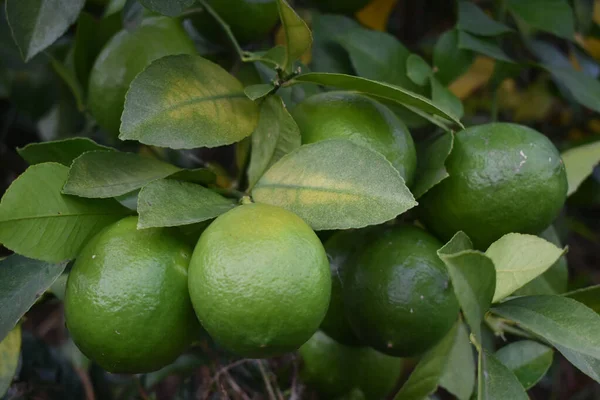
<point x="60" y="215"/>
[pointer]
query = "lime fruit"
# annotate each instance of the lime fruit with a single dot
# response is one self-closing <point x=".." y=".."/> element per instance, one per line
<point x="249" y="20"/>
<point x="124" y="56"/>
<point x="340" y="6"/>
<point x="259" y="281"/>
<point x="398" y="294"/>
<point x="361" y="119"/>
<point x="503" y="178"/>
<point x="334" y="369"/>
<point x="126" y="304"/>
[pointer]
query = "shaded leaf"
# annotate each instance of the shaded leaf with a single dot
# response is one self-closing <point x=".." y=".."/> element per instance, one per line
<point x="472" y="19"/>
<point x="445" y="99"/>
<point x="172" y="203"/>
<point x="431" y="169"/>
<point x="23" y="281"/>
<point x="579" y="163"/>
<point x="586" y="364"/>
<point x="519" y="259"/>
<point x="554" y="16"/>
<point x="36" y="24"/>
<point x="38" y="221"/>
<point x="297" y="35"/>
<point x="276" y="135"/>
<point x="335" y="184"/>
<point x="69" y="78"/>
<point x="60" y="151"/>
<point x="450" y="61"/>
<point x="590" y="296"/>
<point x="203" y="176"/>
<point x="185" y="101"/>
<point x="528" y="360"/>
<point x="496" y="381"/>
<point x="171" y="8"/>
<point x="459" y="374"/>
<point x="583" y="88"/>
<point x="486" y="47"/>
<point x="418" y="70"/>
<point x="256" y="92"/>
<point x="10" y="348"/>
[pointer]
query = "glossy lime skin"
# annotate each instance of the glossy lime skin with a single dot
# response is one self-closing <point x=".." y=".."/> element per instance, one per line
<point x="126" y="304"/>
<point x="398" y="293"/>
<point x="340" y="6"/>
<point x="503" y="178"/>
<point x="249" y="20"/>
<point x="126" y="55"/>
<point x="259" y="281"/>
<point x="334" y="369"/>
<point x="361" y="119"/>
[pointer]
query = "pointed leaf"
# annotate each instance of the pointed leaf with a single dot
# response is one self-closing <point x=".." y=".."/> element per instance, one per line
<point x="466" y="41"/>
<point x="586" y="364"/>
<point x="297" y="35"/>
<point x="584" y="88"/>
<point x="445" y="99"/>
<point x="459" y="374"/>
<point x="418" y="70"/>
<point x="276" y="135"/>
<point x="170" y="8"/>
<point x="335" y="184"/>
<point x="185" y="101"/>
<point x="496" y="381"/>
<point x="472" y="19"/>
<point x="172" y="203"/>
<point x="101" y="174"/>
<point x="431" y="169"/>
<point x="10" y="348"/>
<point x="37" y="221"/>
<point x="579" y="163"/>
<point x="256" y="92"/>
<point x="449" y="60"/>
<point x="528" y="360"/>
<point x="36" y="24"/>
<point x="554" y="16"/>
<point x="23" y="281"/>
<point x="589" y="296"/>
<point x="60" y="151"/>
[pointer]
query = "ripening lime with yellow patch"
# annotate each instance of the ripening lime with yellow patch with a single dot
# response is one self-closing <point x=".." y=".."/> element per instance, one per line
<point x="259" y="281"/>
<point x="502" y="178"/>
<point x="362" y="120"/>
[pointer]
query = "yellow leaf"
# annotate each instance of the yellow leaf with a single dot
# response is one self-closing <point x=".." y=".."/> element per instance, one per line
<point x="376" y="14"/>
<point x="592" y="46"/>
<point x="10" y="348"/>
<point x="476" y="76"/>
<point x="597" y="11"/>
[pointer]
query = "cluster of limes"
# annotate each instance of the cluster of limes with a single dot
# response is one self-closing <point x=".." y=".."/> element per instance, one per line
<point x="259" y="280"/>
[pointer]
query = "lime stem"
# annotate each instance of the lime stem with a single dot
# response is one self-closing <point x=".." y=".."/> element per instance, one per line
<point x="244" y="56"/>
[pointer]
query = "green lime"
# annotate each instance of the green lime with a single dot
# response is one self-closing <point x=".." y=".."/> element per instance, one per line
<point x="503" y="178"/>
<point x="126" y="305"/>
<point x="398" y="294"/>
<point x="126" y="55"/>
<point x="249" y="20"/>
<point x="259" y="281"/>
<point x="340" y="6"/>
<point x="334" y="369"/>
<point x="361" y="119"/>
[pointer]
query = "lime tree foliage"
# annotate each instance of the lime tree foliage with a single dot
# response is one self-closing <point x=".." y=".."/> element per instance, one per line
<point x="286" y="200"/>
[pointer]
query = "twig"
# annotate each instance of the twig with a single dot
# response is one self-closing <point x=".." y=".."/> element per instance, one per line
<point x="223" y="370"/>
<point x="267" y="381"/>
<point x="236" y="388"/>
<point x="86" y="382"/>
<point x="141" y="390"/>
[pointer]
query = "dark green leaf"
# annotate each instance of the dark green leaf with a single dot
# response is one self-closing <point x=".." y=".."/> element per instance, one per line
<point x="583" y="88"/>
<point x="327" y="54"/>
<point x="431" y="169"/>
<point x="36" y="24"/>
<point x="554" y="16"/>
<point x="580" y="162"/>
<point x="69" y="78"/>
<point x="378" y="89"/>
<point x="485" y="46"/>
<point x="426" y="376"/>
<point x="586" y="364"/>
<point x="60" y="151"/>
<point x="185" y="101"/>
<point x="38" y="221"/>
<point x="170" y="8"/>
<point x="459" y="374"/>
<point x="449" y="61"/>
<point x="298" y="38"/>
<point x="418" y="70"/>
<point x="101" y="174"/>
<point x="528" y="360"/>
<point x="256" y="92"/>
<point x="10" y="349"/>
<point x="584" y="12"/>
<point x="472" y="19"/>
<point x="335" y="184"/>
<point x="23" y="282"/>
<point x="445" y="99"/>
<point x="173" y="203"/>
<point x="203" y="176"/>
<point x="496" y="381"/>
<point x="276" y="135"/>
<point x="560" y="320"/>
<point x="473" y="279"/>
<point x="590" y="296"/>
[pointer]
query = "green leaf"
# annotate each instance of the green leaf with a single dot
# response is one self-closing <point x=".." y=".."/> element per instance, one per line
<point x="473" y="20"/>
<point x="449" y="60"/>
<point x="418" y="70"/>
<point x="185" y="101"/>
<point x="60" y="151"/>
<point x="579" y="163"/>
<point x="256" y="92"/>
<point x="586" y="364"/>
<point x="445" y="99"/>
<point x="528" y="360"/>
<point x="554" y="16"/>
<point x="69" y="78"/>
<point x="37" y="221"/>
<point x="335" y="184"/>
<point x="36" y="24"/>
<point x="10" y="348"/>
<point x="560" y="320"/>
<point x="590" y="296"/>
<point x="23" y="282"/>
<point x="173" y="203"/>
<point x="170" y="8"/>
<point x="431" y="169"/>
<point x="473" y="279"/>
<point x="426" y="376"/>
<point x="496" y="381"/>
<point x="519" y="259"/>
<point x="459" y="374"/>
<point x="466" y="41"/>
<point x="298" y="38"/>
<point x="203" y="176"/>
<point x="378" y="89"/>
<point x="584" y="89"/>
<point x="101" y="174"/>
<point x="276" y="135"/>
